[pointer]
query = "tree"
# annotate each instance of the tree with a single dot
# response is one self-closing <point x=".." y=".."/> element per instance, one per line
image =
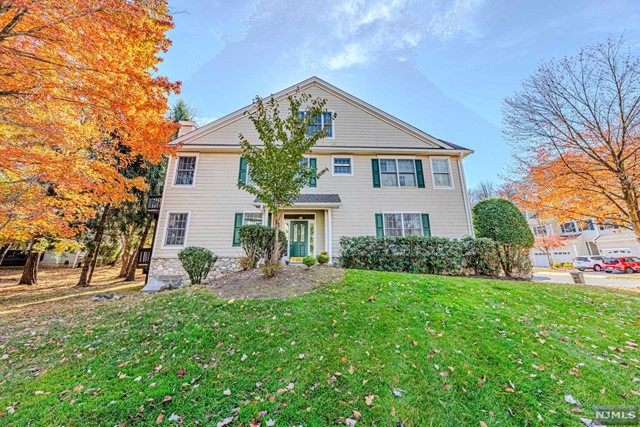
<point x="546" y="243"/>
<point x="483" y="191"/>
<point x="181" y="112"/>
<point x="78" y="82"/>
<point x="501" y="221"/>
<point x="277" y="166"/>
<point x="575" y="128"/>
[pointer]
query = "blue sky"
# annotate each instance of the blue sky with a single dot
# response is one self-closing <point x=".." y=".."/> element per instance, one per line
<point x="442" y="65"/>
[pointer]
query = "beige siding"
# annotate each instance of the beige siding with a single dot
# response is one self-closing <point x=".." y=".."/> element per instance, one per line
<point x="353" y="127"/>
<point x="215" y="198"/>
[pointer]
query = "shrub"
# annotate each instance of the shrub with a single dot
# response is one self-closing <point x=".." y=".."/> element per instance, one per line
<point x="501" y="221"/>
<point x="247" y="263"/>
<point x="197" y="262"/>
<point x="309" y="261"/>
<point x="270" y="268"/>
<point x="322" y="258"/>
<point x="417" y="254"/>
<point x="568" y="264"/>
<point x="557" y="264"/>
<point x="258" y="243"/>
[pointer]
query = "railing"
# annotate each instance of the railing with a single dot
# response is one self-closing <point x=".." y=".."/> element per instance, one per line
<point x="144" y="256"/>
<point x="153" y="204"/>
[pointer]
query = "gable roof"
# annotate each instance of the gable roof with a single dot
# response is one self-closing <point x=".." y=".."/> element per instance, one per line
<point x="339" y="93"/>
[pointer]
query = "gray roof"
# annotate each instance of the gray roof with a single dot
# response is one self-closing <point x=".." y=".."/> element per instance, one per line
<point x="455" y="146"/>
<point x="314" y="198"/>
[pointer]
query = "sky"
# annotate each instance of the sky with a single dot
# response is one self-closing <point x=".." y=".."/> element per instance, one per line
<point x="444" y="66"/>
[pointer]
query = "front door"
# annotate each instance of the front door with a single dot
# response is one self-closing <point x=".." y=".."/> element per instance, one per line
<point x="298" y="238"/>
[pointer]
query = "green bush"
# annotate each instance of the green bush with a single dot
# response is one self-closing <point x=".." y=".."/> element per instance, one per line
<point x="322" y="258"/>
<point x="258" y="243"/>
<point x="502" y="222"/>
<point x="309" y="261"/>
<point x="197" y="263"/>
<point x="417" y="254"/>
<point x="270" y="269"/>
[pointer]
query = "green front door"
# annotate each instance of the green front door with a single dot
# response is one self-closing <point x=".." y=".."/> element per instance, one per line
<point x="298" y="238"/>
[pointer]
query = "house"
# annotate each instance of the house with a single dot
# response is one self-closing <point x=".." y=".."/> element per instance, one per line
<point x="581" y="238"/>
<point x="385" y="177"/>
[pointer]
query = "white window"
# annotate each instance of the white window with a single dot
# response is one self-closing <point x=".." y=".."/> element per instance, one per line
<point x="539" y="230"/>
<point x="319" y="122"/>
<point x="342" y="165"/>
<point x="568" y="228"/>
<point x="398" y="173"/>
<point x="250" y="218"/>
<point x="402" y="224"/>
<point x="176" y="229"/>
<point x="185" y="170"/>
<point x="441" y="172"/>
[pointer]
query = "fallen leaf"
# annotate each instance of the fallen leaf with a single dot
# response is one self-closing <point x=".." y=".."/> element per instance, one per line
<point x="369" y="399"/>
<point x="357" y="415"/>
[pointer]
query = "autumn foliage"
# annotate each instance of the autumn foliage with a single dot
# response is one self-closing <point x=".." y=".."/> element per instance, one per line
<point x="575" y="129"/>
<point x="79" y="102"/>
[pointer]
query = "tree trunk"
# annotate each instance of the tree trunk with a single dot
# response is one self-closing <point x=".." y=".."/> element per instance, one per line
<point x="131" y="274"/>
<point x="30" y="271"/>
<point x="275" y="257"/>
<point x="549" y="259"/>
<point x="89" y="261"/>
<point x="125" y="257"/>
<point x="3" y="251"/>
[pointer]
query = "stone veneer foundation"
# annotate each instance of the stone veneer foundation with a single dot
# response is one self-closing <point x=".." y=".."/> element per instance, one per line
<point x="159" y="267"/>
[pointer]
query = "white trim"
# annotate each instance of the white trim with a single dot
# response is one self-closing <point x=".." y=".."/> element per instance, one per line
<point x="166" y="228"/>
<point x="164" y="191"/>
<point x="195" y="170"/>
<point x="396" y="158"/>
<point x="328" y="226"/>
<point x="465" y="195"/>
<point x="384" y="223"/>
<point x="433" y="179"/>
<point x="341" y="157"/>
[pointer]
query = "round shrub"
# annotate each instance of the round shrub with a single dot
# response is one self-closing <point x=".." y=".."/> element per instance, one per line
<point x="197" y="263"/>
<point x="309" y="261"/>
<point x="322" y="258"/>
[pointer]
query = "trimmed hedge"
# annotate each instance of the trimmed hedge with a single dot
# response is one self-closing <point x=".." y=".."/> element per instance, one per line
<point x="197" y="262"/>
<point x="417" y="254"/>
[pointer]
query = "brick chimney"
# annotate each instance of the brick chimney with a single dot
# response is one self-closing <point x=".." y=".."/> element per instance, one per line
<point x="186" y="126"/>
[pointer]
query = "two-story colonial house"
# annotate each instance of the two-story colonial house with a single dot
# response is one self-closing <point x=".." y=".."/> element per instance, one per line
<point x="385" y="178"/>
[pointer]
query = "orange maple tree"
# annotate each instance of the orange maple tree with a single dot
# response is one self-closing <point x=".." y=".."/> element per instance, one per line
<point x="575" y="129"/>
<point x="79" y="101"/>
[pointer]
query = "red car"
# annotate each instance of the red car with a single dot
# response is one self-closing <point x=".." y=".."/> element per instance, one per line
<point x="627" y="264"/>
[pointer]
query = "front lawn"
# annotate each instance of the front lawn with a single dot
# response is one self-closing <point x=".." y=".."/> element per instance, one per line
<point x="380" y="349"/>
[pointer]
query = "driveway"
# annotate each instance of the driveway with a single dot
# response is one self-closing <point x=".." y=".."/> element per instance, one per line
<point x="590" y="277"/>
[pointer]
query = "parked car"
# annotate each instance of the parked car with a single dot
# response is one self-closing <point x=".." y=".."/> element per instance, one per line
<point x="589" y="262"/>
<point x="627" y="264"/>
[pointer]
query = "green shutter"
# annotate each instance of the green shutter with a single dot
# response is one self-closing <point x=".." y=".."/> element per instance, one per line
<point x="242" y="174"/>
<point x="379" y="225"/>
<point x="419" y="174"/>
<point x="375" y="170"/>
<point x="426" y="225"/>
<point x="236" y="229"/>
<point x="314" y="168"/>
<point x="269" y="218"/>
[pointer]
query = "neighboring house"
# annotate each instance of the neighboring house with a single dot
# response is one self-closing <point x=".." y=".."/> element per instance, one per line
<point x="581" y="238"/>
<point x="384" y="178"/>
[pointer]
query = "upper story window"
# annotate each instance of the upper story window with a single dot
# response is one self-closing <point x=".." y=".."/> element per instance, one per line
<point x="398" y="172"/>
<point x="342" y="165"/>
<point x="176" y="229"/>
<point x="441" y="171"/>
<point x="539" y="230"/>
<point x="319" y="122"/>
<point x="569" y="228"/>
<point x="185" y="170"/>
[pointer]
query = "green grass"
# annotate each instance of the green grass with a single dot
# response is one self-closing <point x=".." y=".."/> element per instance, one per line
<point x="459" y="351"/>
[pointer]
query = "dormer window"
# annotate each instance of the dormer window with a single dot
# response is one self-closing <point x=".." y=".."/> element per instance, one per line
<point x="319" y="122"/>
